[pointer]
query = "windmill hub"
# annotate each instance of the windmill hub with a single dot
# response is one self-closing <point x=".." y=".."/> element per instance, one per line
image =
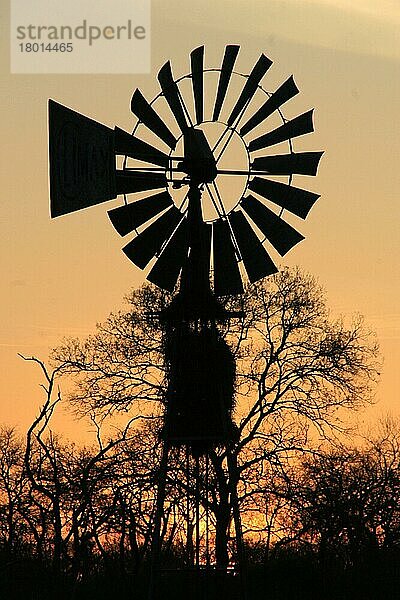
<point x="199" y="162"/>
<point x="228" y="156"/>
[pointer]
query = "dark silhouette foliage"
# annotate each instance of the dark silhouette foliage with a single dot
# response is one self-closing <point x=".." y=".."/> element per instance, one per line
<point x="200" y="392"/>
<point x="76" y="522"/>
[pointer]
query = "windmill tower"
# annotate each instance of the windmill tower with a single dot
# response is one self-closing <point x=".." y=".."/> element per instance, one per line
<point x="196" y="234"/>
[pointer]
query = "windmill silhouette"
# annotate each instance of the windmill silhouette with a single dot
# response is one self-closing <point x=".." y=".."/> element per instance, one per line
<point x="196" y="243"/>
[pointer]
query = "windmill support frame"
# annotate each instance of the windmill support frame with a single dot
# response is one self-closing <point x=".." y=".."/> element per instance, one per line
<point x="204" y="574"/>
<point x="191" y="319"/>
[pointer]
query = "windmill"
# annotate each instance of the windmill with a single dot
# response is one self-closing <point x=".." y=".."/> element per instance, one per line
<point x="198" y="221"/>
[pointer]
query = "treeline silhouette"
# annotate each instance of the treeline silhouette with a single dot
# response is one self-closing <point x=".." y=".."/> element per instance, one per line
<point x="75" y="522"/>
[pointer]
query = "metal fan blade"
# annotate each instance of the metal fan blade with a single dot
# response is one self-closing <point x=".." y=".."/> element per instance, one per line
<point x="128" y="217"/>
<point x="256" y="260"/>
<point x="81" y="161"/>
<point x="286" y="91"/>
<point x="197" y="62"/>
<point x="295" y="200"/>
<point x="298" y="126"/>
<point x="281" y="235"/>
<point x="227" y="278"/>
<point x="128" y="182"/>
<point x="165" y="271"/>
<point x="250" y="87"/>
<point x="228" y="63"/>
<point x="171" y="94"/>
<point x="129" y="145"/>
<point x="301" y="163"/>
<point x="148" y="116"/>
<point x="143" y="247"/>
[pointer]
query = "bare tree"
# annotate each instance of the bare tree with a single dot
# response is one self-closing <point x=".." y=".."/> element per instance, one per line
<point x="343" y="505"/>
<point x="12" y="489"/>
<point x="77" y="491"/>
<point x="298" y="371"/>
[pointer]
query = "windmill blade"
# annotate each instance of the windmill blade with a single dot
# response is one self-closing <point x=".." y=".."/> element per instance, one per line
<point x="165" y="271"/>
<point x="299" y="126"/>
<point x="281" y="235"/>
<point x="228" y="63"/>
<point x="128" y="182"/>
<point x="300" y="163"/>
<point x="250" y="87"/>
<point x="197" y="65"/>
<point x="148" y="116"/>
<point x="128" y="217"/>
<point x="295" y="200"/>
<point x="256" y="260"/>
<point x="227" y="278"/>
<point x="129" y="145"/>
<point x="143" y="247"/>
<point x="171" y="94"/>
<point x="287" y="90"/>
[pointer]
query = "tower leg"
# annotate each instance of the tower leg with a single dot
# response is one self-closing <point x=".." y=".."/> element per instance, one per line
<point x="156" y="542"/>
<point x="232" y="470"/>
<point x="189" y="533"/>
<point x="197" y="509"/>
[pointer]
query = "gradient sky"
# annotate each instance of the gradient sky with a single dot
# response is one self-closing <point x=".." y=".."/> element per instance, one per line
<point x="61" y="277"/>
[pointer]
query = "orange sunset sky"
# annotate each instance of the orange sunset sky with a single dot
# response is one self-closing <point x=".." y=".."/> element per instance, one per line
<point x="60" y="277"/>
